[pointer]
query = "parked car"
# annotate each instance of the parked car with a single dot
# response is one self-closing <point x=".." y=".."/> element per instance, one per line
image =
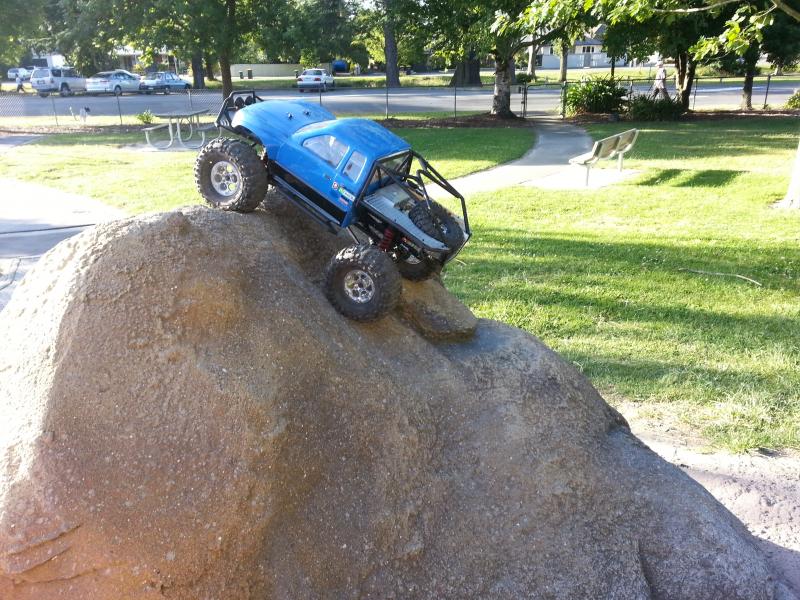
<point x="163" y="81"/>
<point x="22" y="71"/>
<point x="112" y="82"/>
<point x="64" y="80"/>
<point x="315" y="79"/>
<point x="348" y="174"/>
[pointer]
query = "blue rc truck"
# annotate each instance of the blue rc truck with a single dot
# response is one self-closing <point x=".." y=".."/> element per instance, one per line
<point x="349" y="174"/>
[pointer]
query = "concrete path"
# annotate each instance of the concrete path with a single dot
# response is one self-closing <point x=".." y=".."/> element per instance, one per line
<point x="12" y="140"/>
<point x="546" y="165"/>
<point x="33" y="219"/>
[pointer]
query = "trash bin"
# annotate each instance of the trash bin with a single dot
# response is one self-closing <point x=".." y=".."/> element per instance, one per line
<point x="249" y="73"/>
<point x="241" y="74"/>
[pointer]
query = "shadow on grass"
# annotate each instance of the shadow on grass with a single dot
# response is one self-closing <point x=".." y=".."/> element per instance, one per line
<point x="570" y="287"/>
<point x="689" y="178"/>
<point x="707" y="139"/>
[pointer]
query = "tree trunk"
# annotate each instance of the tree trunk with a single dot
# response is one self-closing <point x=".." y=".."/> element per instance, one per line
<point x="390" y="49"/>
<point x="533" y="52"/>
<point x="467" y="72"/>
<point x="225" y="68"/>
<point x="210" y="67"/>
<point x="750" y="59"/>
<point x="564" y="55"/>
<point x="198" y="82"/>
<point x="792" y="199"/>
<point x="684" y="80"/>
<point x="512" y="71"/>
<point x="613" y="65"/>
<point x="501" y="101"/>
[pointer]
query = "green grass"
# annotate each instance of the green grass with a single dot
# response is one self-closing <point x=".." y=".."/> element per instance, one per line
<point x="100" y="166"/>
<point x="601" y="277"/>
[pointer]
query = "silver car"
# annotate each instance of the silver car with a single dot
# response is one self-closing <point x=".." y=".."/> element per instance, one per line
<point x="315" y="79"/>
<point x="64" y="80"/>
<point x="112" y="82"/>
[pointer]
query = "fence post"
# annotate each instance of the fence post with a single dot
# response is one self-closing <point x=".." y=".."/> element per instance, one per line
<point x="53" y="102"/>
<point x="694" y="95"/>
<point x="387" y="100"/>
<point x="525" y="101"/>
<point x="119" y="110"/>
<point x="191" y="106"/>
<point x="564" y="100"/>
<point x="766" y="94"/>
<point x="455" y="106"/>
<point x="320" y="95"/>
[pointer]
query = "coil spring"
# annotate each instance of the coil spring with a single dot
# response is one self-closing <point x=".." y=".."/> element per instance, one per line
<point x="386" y="241"/>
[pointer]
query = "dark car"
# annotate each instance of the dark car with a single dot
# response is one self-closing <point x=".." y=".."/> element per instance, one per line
<point x="350" y="174"/>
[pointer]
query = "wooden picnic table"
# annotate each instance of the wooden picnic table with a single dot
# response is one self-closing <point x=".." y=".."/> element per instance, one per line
<point x="190" y="118"/>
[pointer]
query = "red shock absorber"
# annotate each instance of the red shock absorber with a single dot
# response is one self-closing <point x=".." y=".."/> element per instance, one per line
<point x="386" y="241"/>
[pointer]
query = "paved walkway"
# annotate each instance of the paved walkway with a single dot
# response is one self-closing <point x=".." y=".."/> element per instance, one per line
<point x="546" y="165"/>
<point x="33" y="219"/>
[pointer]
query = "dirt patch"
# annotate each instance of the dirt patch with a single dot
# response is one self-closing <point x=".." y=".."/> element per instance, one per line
<point x="699" y="115"/>
<point x="762" y="488"/>
<point x="480" y="120"/>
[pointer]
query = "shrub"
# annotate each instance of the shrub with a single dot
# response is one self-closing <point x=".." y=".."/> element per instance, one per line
<point x="646" y="108"/>
<point x="596" y="95"/>
<point x="146" y="117"/>
<point x="523" y="78"/>
<point x="794" y="101"/>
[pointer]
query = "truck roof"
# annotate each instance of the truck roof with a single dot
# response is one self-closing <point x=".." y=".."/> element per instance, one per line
<point x="274" y="121"/>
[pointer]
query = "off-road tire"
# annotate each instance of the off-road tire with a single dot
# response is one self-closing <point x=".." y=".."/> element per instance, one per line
<point x="252" y="175"/>
<point x="381" y="272"/>
<point x="437" y="223"/>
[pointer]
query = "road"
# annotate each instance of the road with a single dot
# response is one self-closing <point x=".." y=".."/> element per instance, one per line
<point x="363" y="101"/>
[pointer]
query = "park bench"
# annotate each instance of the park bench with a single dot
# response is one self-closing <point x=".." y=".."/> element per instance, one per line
<point x="615" y="146"/>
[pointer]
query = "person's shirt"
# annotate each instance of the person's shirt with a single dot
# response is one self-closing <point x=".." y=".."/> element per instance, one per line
<point x="661" y="74"/>
<point x="18" y="80"/>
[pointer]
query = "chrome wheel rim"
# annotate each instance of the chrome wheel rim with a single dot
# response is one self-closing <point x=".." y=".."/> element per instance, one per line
<point x="225" y="178"/>
<point x="359" y="286"/>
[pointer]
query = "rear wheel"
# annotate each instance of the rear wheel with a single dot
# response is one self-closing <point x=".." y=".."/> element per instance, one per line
<point x="362" y="283"/>
<point x="229" y="175"/>
<point x="437" y="223"/>
<point x="166" y="91"/>
<point x="417" y="269"/>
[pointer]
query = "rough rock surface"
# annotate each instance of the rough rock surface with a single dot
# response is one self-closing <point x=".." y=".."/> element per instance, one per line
<point x="185" y="415"/>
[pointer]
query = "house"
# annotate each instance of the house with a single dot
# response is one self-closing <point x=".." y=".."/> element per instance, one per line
<point x="587" y="52"/>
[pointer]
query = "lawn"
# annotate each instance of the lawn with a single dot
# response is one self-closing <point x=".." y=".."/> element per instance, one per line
<point x="604" y="277"/>
<point x="101" y="166"/>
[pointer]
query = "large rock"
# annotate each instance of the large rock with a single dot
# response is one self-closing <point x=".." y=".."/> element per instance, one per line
<point x="185" y="415"/>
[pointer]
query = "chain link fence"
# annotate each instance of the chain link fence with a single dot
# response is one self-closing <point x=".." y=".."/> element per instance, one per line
<point x="28" y="111"/>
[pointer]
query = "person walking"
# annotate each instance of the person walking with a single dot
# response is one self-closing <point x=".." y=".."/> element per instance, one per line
<point x="18" y="81"/>
<point x="660" y="82"/>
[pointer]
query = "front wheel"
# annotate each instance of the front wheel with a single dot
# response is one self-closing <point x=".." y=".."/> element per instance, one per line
<point x="362" y="283"/>
<point x="229" y="175"/>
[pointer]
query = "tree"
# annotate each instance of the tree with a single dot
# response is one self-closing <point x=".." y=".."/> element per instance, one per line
<point x="781" y="42"/>
<point x="21" y="21"/>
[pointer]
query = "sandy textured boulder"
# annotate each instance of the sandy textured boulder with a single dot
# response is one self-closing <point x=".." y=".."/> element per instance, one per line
<point x="186" y="416"/>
